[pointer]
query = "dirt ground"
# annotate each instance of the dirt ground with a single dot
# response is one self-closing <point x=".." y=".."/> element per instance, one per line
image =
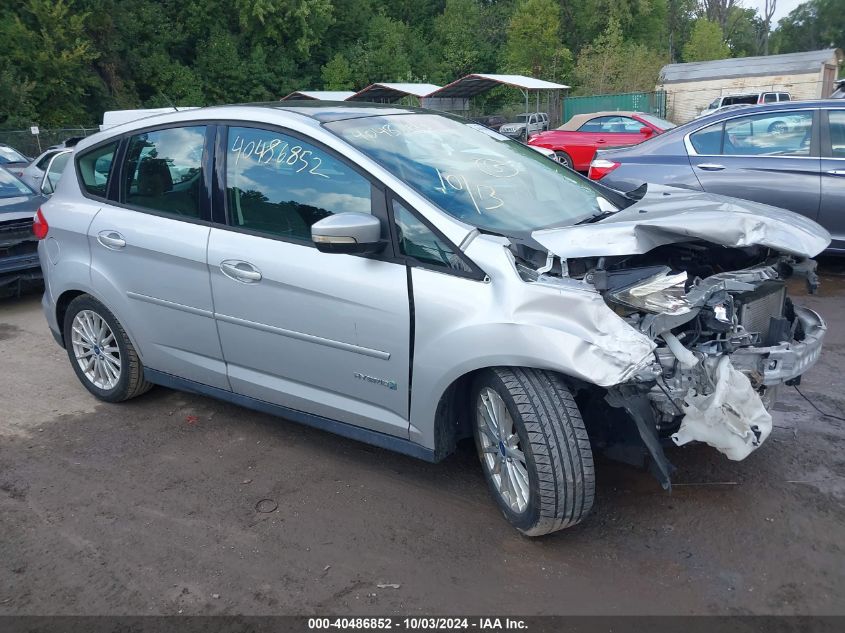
<point x="150" y="507"/>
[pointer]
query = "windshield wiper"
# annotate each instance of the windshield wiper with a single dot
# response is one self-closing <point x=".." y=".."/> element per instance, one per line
<point x="596" y="217"/>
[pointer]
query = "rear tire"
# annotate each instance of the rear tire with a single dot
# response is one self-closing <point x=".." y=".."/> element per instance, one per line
<point x="548" y="440"/>
<point x="101" y="353"/>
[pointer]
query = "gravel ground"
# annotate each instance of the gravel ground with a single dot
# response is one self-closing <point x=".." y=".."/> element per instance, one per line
<point x="151" y="507"/>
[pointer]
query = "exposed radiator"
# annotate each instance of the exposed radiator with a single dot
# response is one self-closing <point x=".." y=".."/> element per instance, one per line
<point x="757" y="308"/>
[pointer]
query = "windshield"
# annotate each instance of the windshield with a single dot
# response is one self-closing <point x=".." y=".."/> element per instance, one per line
<point x="477" y="175"/>
<point x="9" y="155"/>
<point x="656" y="121"/>
<point x="11" y="187"/>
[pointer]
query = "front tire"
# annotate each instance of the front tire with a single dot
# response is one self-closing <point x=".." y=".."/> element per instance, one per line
<point x="533" y="448"/>
<point x="564" y="159"/>
<point x="101" y="353"/>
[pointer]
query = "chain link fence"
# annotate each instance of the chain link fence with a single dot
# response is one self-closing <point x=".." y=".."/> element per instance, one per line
<point x="32" y="145"/>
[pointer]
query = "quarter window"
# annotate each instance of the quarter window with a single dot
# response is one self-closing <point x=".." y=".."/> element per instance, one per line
<point x="95" y="167"/>
<point x="280" y="185"/>
<point x="708" y="140"/>
<point x="54" y="172"/>
<point x="418" y="241"/>
<point x="164" y="169"/>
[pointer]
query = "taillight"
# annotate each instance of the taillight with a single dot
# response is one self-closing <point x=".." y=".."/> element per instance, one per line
<point x="39" y="225"/>
<point x="600" y="168"/>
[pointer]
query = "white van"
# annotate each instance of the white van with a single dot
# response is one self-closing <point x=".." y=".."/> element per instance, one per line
<point x="118" y="117"/>
<point x="750" y="98"/>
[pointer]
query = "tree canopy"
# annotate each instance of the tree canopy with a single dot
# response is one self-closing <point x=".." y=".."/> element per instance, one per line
<point x="66" y="61"/>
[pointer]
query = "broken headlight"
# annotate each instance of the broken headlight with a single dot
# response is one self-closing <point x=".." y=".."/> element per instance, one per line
<point x="660" y="294"/>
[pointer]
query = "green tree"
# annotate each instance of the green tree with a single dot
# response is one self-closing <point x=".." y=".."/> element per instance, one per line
<point x="47" y="45"/>
<point x="811" y="26"/>
<point x="385" y="54"/>
<point x="706" y="42"/>
<point x="745" y="32"/>
<point x="533" y="46"/>
<point x="298" y="24"/>
<point x="457" y="39"/>
<point x="337" y="74"/>
<point x="610" y="64"/>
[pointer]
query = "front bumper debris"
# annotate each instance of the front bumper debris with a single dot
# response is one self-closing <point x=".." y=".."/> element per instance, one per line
<point x="784" y="362"/>
<point x="732" y="419"/>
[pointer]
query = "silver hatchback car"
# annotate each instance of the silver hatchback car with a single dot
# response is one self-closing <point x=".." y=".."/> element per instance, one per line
<point x="408" y="278"/>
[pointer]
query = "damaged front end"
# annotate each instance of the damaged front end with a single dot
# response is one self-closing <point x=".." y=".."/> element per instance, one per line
<point x="724" y="346"/>
<point x="726" y="334"/>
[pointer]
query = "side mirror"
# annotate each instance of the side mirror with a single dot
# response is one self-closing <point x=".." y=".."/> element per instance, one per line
<point x="646" y="131"/>
<point x="351" y="232"/>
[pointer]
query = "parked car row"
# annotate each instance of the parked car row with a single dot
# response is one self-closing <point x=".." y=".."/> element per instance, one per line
<point x="576" y="141"/>
<point x="24" y="185"/>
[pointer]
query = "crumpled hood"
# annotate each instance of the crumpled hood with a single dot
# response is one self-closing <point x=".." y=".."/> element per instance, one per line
<point x="667" y="215"/>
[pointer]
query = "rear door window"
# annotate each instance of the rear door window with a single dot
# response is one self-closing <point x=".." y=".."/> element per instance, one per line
<point x="770" y="134"/>
<point x="163" y="171"/>
<point x="837" y="133"/>
<point x="280" y="185"/>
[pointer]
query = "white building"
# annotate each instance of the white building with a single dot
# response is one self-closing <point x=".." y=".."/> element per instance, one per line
<point x="691" y="87"/>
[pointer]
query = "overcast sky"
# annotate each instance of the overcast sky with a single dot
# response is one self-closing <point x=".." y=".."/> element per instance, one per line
<point x="782" y="10"/>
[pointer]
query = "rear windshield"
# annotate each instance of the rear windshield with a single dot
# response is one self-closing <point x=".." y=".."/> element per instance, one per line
<point x="656" y="121"/>
<point x="752" y="99"/>
<point x="10" y="155"/>
<point x="11" y="187"/>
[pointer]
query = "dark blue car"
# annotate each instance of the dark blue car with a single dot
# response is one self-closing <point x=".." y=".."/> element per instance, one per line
<point x="789" y="155"/>
<point x="19" y="266"/>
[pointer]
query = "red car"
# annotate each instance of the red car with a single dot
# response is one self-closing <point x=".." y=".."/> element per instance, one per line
<point x="576" y="141"/>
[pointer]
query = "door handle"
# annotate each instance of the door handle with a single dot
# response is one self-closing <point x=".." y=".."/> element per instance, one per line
<point x="111" y="239"/>
<point x="836" y="172"/>
<point x="710" y="166"/>
<point x="240" y="271"/>
<point x="600" y="141"/>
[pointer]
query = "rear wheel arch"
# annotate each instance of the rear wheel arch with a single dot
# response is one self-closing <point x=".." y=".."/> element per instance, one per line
<point x="62" y="304"/>
<point x="67" y="296"/>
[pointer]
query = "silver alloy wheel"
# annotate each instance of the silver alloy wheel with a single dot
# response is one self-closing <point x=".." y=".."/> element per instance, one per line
<point x="563" y="159"/>
<point x="95" y="349"/>
<point x="501" y="453"/>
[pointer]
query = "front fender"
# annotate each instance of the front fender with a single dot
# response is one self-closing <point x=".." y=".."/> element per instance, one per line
<point x="463" y="325"/>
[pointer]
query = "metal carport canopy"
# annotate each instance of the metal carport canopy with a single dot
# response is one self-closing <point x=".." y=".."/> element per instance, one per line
<point x="472" y="85"/>
<point x="319" y="95"/>
<point x="390" y="92"/>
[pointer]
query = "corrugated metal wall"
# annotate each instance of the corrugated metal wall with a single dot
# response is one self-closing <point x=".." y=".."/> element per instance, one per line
<point x="652" y="102"/>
